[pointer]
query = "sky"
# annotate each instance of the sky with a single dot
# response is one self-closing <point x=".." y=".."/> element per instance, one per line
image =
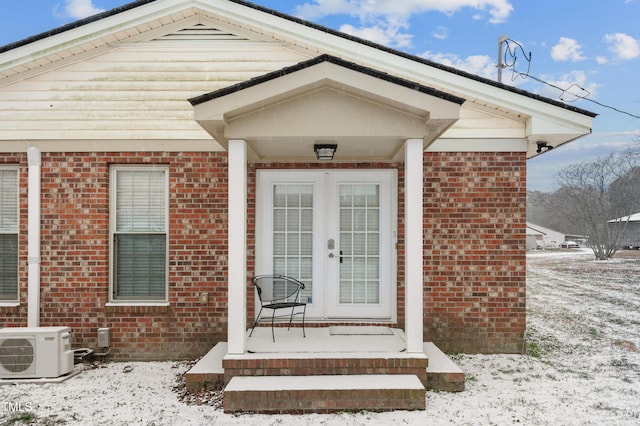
<point x="583" y="52"/>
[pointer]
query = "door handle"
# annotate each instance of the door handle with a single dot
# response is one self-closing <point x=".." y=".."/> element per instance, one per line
<point x="331" y="256"/>
<point x="340" y="256"/>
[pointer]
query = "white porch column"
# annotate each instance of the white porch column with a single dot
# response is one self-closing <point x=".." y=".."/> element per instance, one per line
<point x="414" y="295"/>
<point x="237" y="258"/>
<point x="33" y="237"/>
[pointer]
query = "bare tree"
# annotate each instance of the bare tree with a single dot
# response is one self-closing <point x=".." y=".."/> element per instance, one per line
<point x="593" y="193"/>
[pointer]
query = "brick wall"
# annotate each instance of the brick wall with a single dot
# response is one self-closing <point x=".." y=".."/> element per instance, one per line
<point x="474" y="248"/>
<point x="474" y="267"/>
<point x="75" y="255"/>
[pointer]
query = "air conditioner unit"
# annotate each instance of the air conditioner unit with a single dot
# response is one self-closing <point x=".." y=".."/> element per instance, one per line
<point x="35" y="352"/>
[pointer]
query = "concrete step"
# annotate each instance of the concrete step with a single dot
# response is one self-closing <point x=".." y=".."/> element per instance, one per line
<point x="326" y="363"/>
<point x="324" y="394"/>
<point x="208" y="371"/>
<point x="442" y="373"/>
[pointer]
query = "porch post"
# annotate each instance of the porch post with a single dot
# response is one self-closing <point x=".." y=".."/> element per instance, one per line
<point x="414" y="296"/>
<point x="237" y="257"/>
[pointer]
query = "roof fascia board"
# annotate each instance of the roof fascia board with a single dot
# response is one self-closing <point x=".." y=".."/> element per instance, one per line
<point x="92" y="31"/>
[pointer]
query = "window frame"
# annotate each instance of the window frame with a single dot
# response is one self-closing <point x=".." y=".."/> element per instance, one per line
<point x="14" y="300"/>
<point x="113" y="232"/>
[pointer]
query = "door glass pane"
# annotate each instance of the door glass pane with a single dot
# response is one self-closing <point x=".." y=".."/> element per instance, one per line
<point x="306" y="220"/>
<point x="293" y="232"/>
<point x="280" y="196"/>
<point x="359" y="243"/>
<point x="279" y="244"/>
<point x="279" y="219"/>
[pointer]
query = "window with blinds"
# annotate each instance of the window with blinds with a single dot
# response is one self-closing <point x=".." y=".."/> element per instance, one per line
<point x="139" y="222"/>
<point x="8" y="234"/>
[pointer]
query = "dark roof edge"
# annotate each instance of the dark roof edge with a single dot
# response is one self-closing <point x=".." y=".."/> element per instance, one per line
<point x="73" y="25"/>
<point x="334" y="60"/>
<point x="309" y="24"/>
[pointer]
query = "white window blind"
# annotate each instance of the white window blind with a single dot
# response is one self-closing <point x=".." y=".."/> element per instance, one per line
<point x="293" y="233"/>
<point x="140" y="201"/>
<point x="8" y="234"/>
<point x="140" y="234"/>
<point x="360" y="243"/>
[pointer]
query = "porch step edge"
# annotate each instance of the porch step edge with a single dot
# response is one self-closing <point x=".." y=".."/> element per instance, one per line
<point x="324" y="394"/>
<point x="325" y="382"/>
<point x="208" y="371"/>
<point x="442" y="373"/>
<point x="211" y="363"/>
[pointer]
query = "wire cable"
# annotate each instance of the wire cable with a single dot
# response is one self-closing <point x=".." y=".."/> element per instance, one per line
<point x="512" y="51"/>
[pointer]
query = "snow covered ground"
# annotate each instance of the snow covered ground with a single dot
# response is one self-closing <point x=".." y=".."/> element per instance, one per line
<point x="582" y="368"/>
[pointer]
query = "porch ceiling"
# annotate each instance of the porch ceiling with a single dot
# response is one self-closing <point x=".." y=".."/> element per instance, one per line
<point x="367" y="114"/>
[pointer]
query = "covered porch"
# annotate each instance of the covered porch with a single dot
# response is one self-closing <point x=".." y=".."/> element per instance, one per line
<point x="373" y="118"/>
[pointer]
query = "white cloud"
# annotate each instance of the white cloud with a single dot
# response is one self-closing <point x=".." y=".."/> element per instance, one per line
<point x="499" y="10"/>
<point x="441" y="33"/>
<point x="623" y="45"/>
<point x="78" y="9"/>
<point x="382" y="21"/>
<point x="387" y="36"/>
<point x="482" y="65"/>
<point x="567" y="49"/>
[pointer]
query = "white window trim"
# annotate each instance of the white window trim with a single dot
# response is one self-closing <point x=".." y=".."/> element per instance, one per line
<point x="112" y="227"/>
<point x="16" y="301"/>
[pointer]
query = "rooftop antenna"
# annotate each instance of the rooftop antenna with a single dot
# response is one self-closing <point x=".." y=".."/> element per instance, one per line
<point x="501" y="40"/>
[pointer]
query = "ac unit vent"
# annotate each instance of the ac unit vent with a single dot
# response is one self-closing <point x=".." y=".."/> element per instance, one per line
<point x="35" y="352"/>
<point x="17" y="355"/>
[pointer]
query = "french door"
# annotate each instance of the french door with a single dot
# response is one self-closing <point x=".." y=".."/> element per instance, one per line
<point x="334" y="231"/>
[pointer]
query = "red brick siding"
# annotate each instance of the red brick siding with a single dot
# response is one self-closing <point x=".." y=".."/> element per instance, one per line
<point x="319" y="366"/>
<point x="474" y="266"/>
<point x="474" y="251"/>
<point x="75" y="255"/>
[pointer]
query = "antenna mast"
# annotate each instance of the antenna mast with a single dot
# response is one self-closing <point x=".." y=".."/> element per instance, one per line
<point x="501" y="40"/>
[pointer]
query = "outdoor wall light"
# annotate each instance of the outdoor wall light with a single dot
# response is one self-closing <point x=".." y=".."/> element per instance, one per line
<point x="543" y="146"/>
<point x="325" y="151"/>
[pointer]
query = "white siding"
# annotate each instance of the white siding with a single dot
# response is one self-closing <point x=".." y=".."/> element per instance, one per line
<point x="135" y="91"/>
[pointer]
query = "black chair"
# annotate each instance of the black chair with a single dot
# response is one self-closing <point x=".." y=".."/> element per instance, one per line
<point x="279" y="292"/>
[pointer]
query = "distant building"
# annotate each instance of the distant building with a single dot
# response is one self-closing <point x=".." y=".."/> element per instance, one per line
<point x="631" y="238"/>
<point x="535" y="238"/>
<point x="544" y="237"/>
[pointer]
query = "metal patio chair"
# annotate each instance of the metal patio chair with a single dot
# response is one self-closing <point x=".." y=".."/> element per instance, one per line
<point x="279" y="292"/>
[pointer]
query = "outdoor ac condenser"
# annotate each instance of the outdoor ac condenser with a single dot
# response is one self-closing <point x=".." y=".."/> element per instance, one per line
<point x="35" y="352"/>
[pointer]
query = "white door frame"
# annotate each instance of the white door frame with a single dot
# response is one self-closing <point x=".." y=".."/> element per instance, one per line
<point x="324" y="196"/>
